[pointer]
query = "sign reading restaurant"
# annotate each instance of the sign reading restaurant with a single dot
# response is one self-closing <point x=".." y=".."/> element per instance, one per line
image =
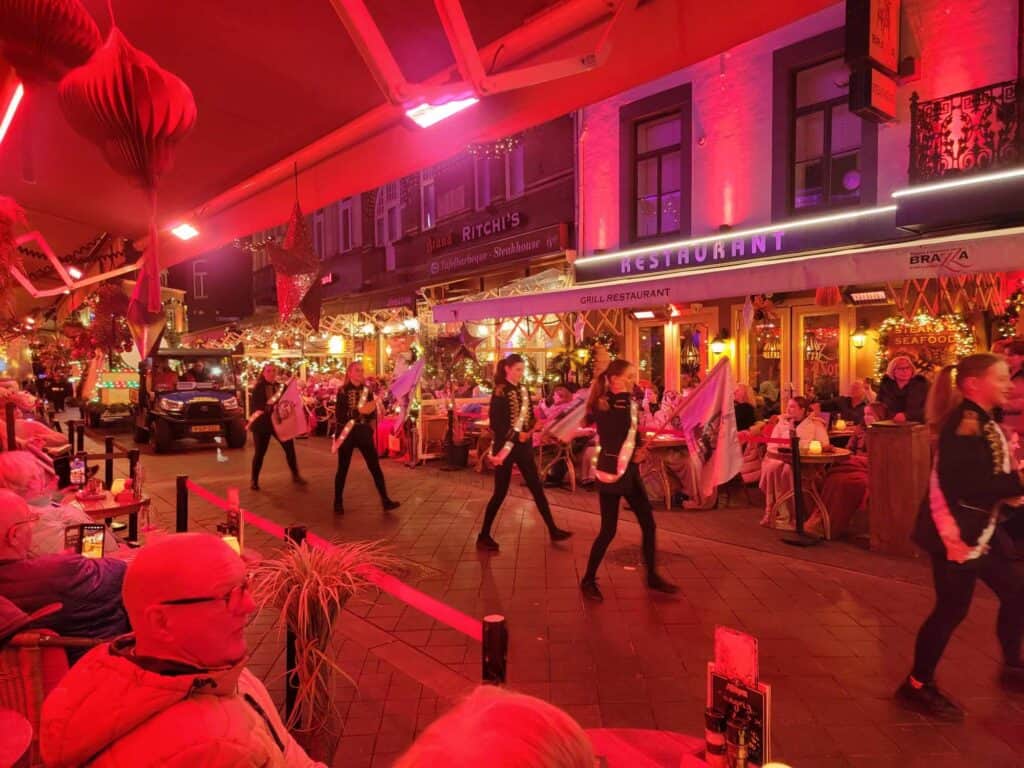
<point x="703" y="253"/>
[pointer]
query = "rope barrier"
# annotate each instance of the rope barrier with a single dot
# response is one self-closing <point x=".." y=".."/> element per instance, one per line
<point x="393" y="586"/>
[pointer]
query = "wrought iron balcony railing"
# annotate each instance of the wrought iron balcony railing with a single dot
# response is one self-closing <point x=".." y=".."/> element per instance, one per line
<point x="968" y="132"/>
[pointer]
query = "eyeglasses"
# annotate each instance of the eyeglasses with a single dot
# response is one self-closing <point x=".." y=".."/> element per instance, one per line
<point x="232" y="600"/>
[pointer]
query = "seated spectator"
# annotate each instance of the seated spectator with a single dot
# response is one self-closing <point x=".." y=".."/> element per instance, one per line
<point x="845" y="490"/>
<point x="903" y="392"/>
<point x="89" y="589"/>
<point x="164" y="379"/>
<point x="776" y="470"/>
<point x="176" y="693"/>
<point x="745" y="407"/>
<point x="561" y="399"/>
<point x="496" y="728"/>
<point x="26" y="475"/>
<point x="851" y="407"/>
<point x="769" y="392"/>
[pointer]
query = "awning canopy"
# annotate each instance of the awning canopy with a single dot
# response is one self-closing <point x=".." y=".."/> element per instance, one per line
<point x="948" y="256"/>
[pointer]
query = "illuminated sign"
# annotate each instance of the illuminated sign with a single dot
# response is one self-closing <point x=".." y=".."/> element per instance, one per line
<point x="873" y="33"/>
<point x="478" y="230"/>
<point x="872" y="94"/>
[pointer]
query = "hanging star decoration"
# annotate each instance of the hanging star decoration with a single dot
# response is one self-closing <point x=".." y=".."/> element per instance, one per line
<point x="295" y="264"/>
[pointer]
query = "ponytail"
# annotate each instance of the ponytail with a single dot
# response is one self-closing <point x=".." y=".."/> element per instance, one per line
<point x="600" y="386"/>
<point x="501" y="373"/>
<point x="946" y="392"/>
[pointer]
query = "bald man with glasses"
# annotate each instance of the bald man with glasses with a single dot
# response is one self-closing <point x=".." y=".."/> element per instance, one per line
<point x="175" y="693"/>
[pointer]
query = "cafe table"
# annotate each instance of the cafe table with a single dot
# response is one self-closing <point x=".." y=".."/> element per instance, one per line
<point x="645" y="748"/>
<point x="107" y="507"/>
<point x="658" y="448"/>
<point x="812" y="470"/>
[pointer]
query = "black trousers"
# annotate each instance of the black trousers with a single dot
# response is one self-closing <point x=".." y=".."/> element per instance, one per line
<point x="262" y="441"/>
<point x="954" y="588"/>
<point x="361" y="437"/>
<point x="631" y="487"/>
<point x="522" y="457"/>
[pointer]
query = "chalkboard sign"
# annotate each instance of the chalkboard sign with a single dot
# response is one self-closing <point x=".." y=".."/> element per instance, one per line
<point x="730" y="696"/>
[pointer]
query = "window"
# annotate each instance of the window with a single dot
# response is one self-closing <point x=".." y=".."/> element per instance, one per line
<point x="823" y="156"/>
<point x="319" y="244"/>
<point x="515" y="176"/>
<point x="451" y="202"/>
<point x="654" y="166"/>
<point x="489" y="173"/>
<point x="387" y="218"/>
<point x="657" y="180"/>
<point x="826" y="155"/>
<point x="428" y="200"/>
<point x="199" y="280"/>
<point x="346" y="234"/>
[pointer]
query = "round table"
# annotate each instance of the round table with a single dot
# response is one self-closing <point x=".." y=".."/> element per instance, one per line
<point x="642" y="748"/>
<point x="812" y="468"/>
<point x="654" y="446"/>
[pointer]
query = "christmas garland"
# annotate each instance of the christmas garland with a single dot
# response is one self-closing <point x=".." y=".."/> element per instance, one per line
<point x="1006" y="325"/>
<point x="924" y="323"/>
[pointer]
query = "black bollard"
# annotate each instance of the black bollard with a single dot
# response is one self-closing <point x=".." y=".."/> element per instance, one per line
<point x="181" y="507"/>
<point x="296" y="534"/>
<point x="12" y="440"/>
<point x="108" y="463"/>
<point x="495" y="649"/>
<point x="80" y="437"/>
<point x="133" y="520"/>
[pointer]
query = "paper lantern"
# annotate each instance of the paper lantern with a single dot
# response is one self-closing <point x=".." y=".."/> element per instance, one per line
<point x="134" y="110"/>
<point x="43" y="39"/>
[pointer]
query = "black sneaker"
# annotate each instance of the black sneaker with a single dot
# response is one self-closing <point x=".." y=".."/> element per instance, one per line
<point x="486" y="543"/>
<point x="388" y="505"/>
<point x="339" y="508"/>
<point x="1012" y="678"/>
<point x="928" y="700"/>
<point x="559" y="535"/>
<point x="299" y="480"/>
<point x="590" y="591"/>
<point x="658" y="584"/>
<point x="254" y="486"/>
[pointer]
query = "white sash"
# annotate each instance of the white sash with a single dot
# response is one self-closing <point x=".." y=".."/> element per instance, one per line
<point x="351" y="422"/>
<point x="524" y="411"/>
<point x="625" y="452"/>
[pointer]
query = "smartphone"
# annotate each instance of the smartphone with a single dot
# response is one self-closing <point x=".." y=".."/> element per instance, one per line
<point x="90" y="542"/>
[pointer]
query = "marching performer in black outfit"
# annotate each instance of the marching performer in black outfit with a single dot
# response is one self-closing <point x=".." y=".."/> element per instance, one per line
<point x="356" y="416"/>
<point x="961" y="526"/>
<point x="616" y="414"/>
<point x="512" y="422"/>
<point x="264" y="398"/>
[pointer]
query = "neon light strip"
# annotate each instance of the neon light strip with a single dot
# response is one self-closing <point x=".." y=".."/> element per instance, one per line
<point x="730" y="235"/>
<point x="925" y="189"/>
<point x="12" y="107"/>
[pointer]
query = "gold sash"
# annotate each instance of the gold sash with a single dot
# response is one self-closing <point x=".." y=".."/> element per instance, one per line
<point x="524" y="411"/>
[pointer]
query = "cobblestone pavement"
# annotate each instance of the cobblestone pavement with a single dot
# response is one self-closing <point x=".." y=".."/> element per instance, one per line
<point x="835" y="623"/>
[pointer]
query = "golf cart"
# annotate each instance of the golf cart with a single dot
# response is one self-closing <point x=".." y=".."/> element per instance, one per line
<point x="188" y="393"/>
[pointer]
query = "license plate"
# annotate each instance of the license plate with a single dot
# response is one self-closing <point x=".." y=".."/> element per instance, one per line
<point x="206" y="428"/>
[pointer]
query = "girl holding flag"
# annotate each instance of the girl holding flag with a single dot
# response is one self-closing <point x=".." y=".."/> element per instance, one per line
<point x="512" y="423"/>
<point x="619" y="452"/>
<point x="265" y="396"/>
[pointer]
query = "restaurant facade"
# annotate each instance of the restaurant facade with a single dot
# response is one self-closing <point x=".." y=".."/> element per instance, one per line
<point x="805" y="203"/>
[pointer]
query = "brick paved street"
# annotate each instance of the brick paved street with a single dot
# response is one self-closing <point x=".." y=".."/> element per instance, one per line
<point x="835" y="623"/>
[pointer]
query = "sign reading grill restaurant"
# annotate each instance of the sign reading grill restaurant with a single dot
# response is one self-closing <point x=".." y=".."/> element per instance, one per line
<point x="539" y="242"/>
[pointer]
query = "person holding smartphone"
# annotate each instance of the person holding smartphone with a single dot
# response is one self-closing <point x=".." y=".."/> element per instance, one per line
<point x="356" y="414"/>
<point x="264" y="398"/>
<point x="512" y="422"/>
<point x="620" y="450"/>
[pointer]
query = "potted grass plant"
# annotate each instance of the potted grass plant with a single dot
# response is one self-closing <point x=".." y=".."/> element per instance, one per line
<point x="306" y="588"/>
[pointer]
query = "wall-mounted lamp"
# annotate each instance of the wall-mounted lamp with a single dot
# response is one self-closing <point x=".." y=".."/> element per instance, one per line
<point x="718" y="343"/>
<point x="860" y="336"/>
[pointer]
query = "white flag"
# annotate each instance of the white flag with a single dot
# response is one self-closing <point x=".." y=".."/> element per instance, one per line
<point x="403" y="388"/>
<point x="708" y="421"/>
<point x="289" y="414"/>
